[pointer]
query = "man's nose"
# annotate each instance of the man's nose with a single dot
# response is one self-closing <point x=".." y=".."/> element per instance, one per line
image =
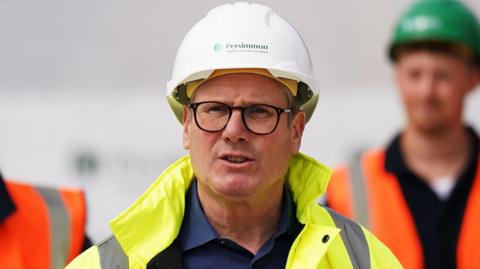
<point x="236" y="131"/>
<point x="427" y="85"/>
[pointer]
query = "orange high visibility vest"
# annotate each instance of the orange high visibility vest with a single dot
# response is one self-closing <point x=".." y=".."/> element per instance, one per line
<point x="386" y="213"/>
<point x="47" y="229"/>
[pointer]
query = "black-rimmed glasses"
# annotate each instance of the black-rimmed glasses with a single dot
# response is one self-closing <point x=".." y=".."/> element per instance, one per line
<point x="259" y="119"/>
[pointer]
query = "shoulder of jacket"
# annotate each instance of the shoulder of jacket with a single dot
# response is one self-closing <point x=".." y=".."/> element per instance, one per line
<point x="88" y="259"/>
<point x="381" y="255"/>
<point x="355" y="235"/>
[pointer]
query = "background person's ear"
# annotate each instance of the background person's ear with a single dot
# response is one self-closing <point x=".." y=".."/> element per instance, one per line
<point x="475" y="79"/>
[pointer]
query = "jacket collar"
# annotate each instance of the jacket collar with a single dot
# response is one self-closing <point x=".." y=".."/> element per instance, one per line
<point x="160" y="209"/>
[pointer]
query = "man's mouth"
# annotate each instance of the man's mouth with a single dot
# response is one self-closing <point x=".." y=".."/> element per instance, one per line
<point x="235" y="159"/>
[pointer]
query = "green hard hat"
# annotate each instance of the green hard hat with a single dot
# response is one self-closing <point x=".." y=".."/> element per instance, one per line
<point x="437" y="20"/>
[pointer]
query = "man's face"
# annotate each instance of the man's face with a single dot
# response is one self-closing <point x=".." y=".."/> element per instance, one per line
<point x="234" y="163"/>
<point x="433" y="87"/>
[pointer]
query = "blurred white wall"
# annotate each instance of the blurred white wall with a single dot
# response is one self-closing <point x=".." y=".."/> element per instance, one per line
<point x="82" y="89"/>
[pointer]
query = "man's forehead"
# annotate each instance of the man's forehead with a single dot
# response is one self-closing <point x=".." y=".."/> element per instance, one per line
<point x="241" y="84"/>
<point x="243" y="79"/>
<point x="426" y="57"/>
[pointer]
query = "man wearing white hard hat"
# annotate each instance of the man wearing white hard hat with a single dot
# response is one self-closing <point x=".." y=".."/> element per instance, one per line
<point x="243" y="88"/>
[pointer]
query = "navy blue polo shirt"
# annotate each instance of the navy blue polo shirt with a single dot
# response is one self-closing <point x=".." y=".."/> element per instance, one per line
<point x="202" y="247"/>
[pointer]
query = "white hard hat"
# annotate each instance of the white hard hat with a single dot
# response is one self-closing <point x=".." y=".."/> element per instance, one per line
<point x="242" y="36"/>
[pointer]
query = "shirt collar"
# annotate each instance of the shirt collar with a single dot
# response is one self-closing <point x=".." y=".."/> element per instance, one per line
<point x="394" y="161"/>
<point x="196" y="230"/>
<point x="289" y="213"/>
<point x="7" y="206"/>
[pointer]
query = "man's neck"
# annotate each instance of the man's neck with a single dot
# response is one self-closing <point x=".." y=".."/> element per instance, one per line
<point x="248" y="223"/>
<point x="436" y="155"/>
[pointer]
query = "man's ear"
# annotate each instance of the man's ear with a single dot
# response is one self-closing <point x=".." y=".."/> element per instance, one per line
<point x="475" y="79"/>
<point x="297" y="127"/>
<point x="186" y="127"/>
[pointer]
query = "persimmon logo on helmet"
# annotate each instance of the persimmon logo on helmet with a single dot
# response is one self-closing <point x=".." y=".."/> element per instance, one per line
<point x="246" y="47"/>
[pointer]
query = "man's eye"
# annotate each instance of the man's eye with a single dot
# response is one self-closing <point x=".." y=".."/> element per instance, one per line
<point x="260" y="112"/>
<point x="443" y="76"/>
<point x="257" y="110"/>
<point x="414" y="74"/>
<point x="216" y="110"/>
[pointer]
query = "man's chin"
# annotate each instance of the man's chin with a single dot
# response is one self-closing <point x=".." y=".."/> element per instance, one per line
<point x="237" y="189"/>
<point x="431" y="127"/>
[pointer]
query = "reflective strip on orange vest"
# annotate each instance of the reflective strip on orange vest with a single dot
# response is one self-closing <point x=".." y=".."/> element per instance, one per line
<point x="360" y="199"/>
<point x="39" y="233"/>
<point x="59" y="224"/>
<point x="74" y="201"/>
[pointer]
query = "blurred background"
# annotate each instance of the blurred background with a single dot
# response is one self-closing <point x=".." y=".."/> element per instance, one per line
<point x="82" y="89"/>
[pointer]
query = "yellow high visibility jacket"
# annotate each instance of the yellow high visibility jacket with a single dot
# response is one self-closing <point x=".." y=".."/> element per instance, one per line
<point x="152" y="223"/>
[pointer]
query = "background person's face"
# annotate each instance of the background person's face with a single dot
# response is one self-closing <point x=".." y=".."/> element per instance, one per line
<point x="433" y="87"/>
<point x="235" y="163"/>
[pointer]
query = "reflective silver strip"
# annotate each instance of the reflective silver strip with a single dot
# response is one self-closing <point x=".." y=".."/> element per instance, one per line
<point x="59" y="226"/>
<point x="112" y="255"/>
<point x="359" y="192"/>
<point x="354" y="240"/>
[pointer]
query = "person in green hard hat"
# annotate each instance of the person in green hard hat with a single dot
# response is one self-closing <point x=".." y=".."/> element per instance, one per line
<point x="421" y="193"/>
